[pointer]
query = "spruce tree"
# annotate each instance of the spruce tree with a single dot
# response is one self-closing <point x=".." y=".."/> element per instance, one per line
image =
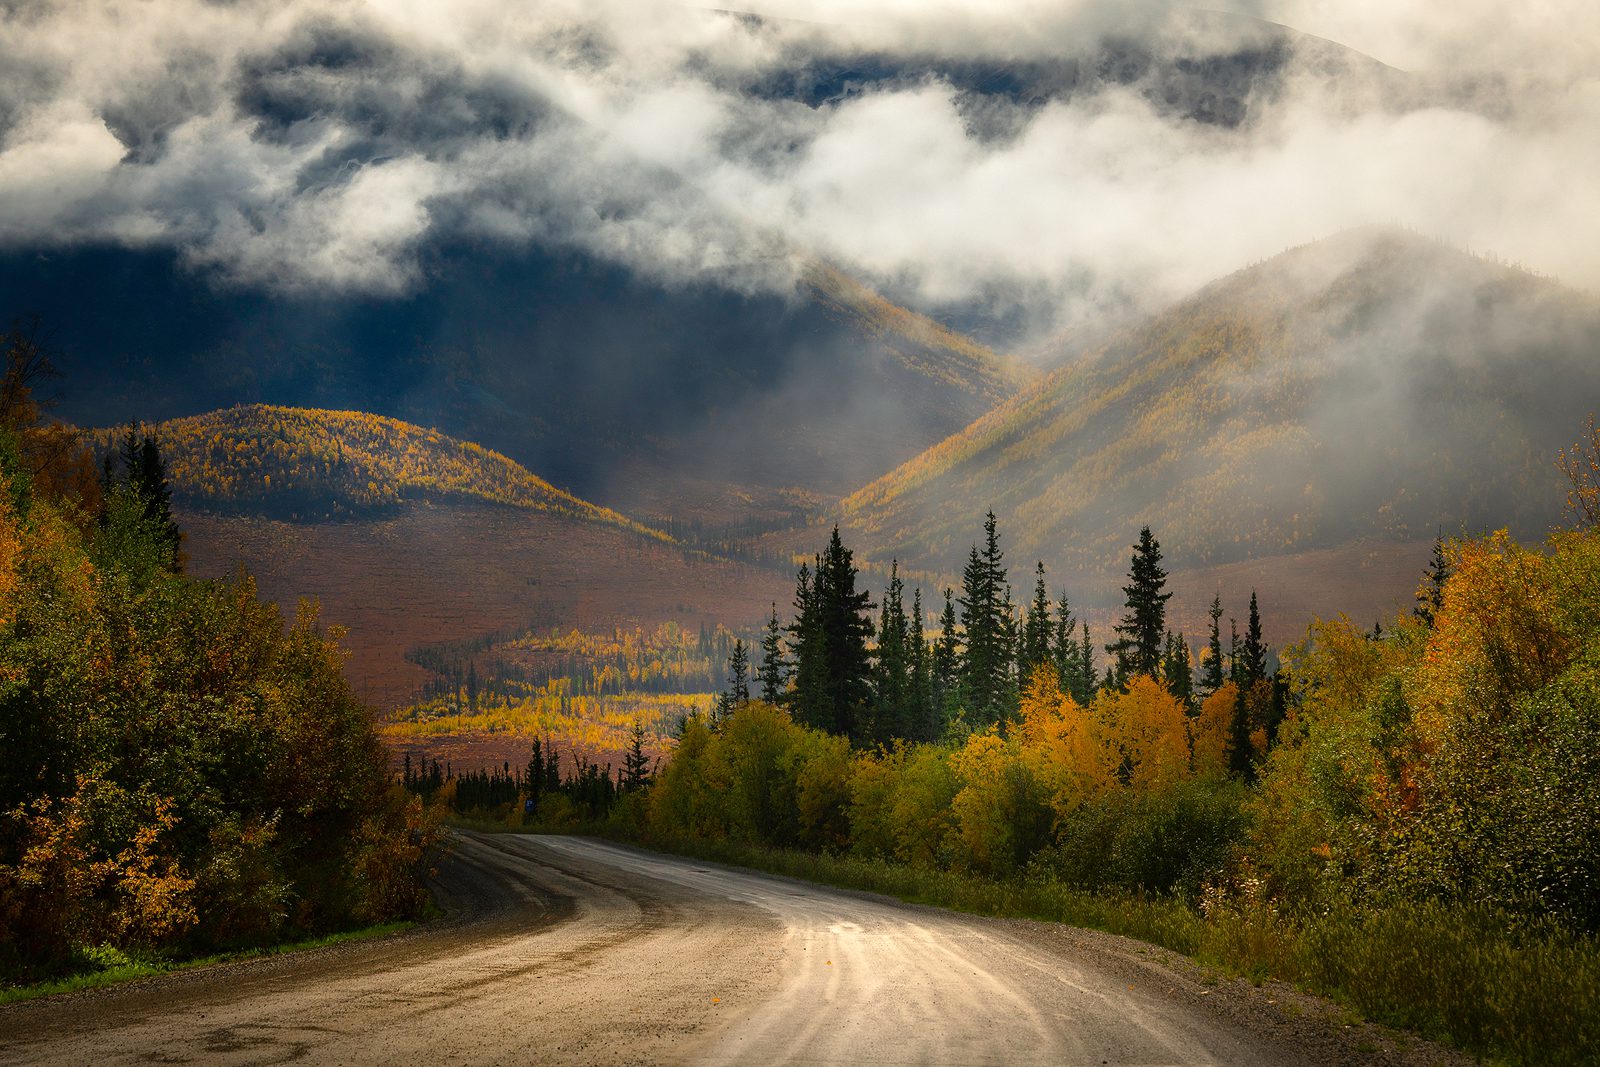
<point x="1177" y="670"/>
<point x="1035" y="646"/>
<point x="1253" y="651"/>
<point x="808" y="700"/>
<point x="892" y="714"/>
<point x="924" y="716"/>
<point x="987" y="689"/>
<point x="147" y="476"/>
<point x="1211" y="677"/>
<point x="739" y="675"/>
<point x="1087" y="676"/>
<point x="1137" y="649"/>
<point x="947" y="660"/>
<point x="1235" y="655"/>
<point x="635" y="764"/>
<point x="1064" y="649"/>
<point x="774" y="674"/>
<point x="1239" y="754"/>
<point x="1430" y="597"/>
<point x="843" y="629"/>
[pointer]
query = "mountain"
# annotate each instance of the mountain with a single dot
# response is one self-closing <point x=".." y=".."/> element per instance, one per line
<point x="409" y="538"/>
<point x="716" y="401"/>
<point x="1372" y="387"/>
<point x="303" y="463"/>
<point x="665" y="400"/>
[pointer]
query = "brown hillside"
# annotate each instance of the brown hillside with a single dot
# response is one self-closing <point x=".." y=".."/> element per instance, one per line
<point x="430" y="574"/>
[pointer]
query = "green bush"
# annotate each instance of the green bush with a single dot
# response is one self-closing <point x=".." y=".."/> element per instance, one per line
<point x="1172" y="840"/>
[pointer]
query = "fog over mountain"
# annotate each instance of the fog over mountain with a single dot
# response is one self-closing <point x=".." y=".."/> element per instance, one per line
<point x="583" y="234"/>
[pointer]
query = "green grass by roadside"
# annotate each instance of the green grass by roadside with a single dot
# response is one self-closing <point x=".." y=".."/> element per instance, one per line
<point x="113" y="967"/>
<point x="1462" y="977"/>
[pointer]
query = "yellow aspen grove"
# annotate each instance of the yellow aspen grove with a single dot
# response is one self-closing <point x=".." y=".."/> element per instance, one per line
<point x="1058" y="742"/>
<point x="1147" y="729"/>
<point x="1208" y="733"/>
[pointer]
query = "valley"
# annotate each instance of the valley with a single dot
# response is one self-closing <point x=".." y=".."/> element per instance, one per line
<point x="990" y="532"/>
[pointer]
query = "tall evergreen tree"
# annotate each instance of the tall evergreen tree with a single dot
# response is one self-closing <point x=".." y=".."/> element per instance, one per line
<point x="1064" y="648"/>
<point x="947" y="660"/>
<point x="1177" y="670"/>
<point x="987" y="688"/>
<point x="774" y="674"/>
<point x="808" y="699"/>
<point x="1430" y="597"/>
<point x="1235" y="655"/>
<point x="739" y="674"/>
<point x="1088" y="677"/>
<point x="1211" y="677"/>
<point x="146" y="473"/>
<point x="635" y="764"/>
<point x="738" y="691"/>
<point x="1239" y="752"/>
<point x="924" y="716"/>
<point x="844" y="628"/>
<point x="1253" y="651"/>
<point x="892" y="711"/>
<point x="1142" y="630"/>
<point x="1037" y="630"/>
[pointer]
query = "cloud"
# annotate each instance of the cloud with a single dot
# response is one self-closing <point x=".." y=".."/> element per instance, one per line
<point x="1064" y="159"/>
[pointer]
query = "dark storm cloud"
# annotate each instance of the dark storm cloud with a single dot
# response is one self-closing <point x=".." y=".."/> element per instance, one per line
<point x="1053" y="155"/>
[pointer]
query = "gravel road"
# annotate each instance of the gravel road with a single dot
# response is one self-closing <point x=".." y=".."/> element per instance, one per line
<point x="567" y="950"/>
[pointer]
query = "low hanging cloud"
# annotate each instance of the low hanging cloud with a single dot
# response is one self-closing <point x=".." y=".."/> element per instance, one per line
<point x="1058" y="158"/>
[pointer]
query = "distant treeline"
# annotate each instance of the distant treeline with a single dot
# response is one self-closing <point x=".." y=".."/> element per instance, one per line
<point x="668" y="659"/>
<point x="539" y="791"/>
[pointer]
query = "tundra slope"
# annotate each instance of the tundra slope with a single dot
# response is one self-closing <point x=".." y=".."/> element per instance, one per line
<point x="565" y="950"/>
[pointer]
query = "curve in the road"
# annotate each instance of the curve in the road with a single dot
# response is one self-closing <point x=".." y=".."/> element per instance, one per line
<point x="568" y="950"/>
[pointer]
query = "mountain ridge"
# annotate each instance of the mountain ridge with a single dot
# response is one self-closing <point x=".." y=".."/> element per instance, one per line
<point x="1346" y="360"/>
<point x="333" y="463"/>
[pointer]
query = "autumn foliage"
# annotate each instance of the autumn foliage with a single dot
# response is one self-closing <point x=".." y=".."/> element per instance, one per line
<point x="314" y="463"/>
<point x="184" y="770"/>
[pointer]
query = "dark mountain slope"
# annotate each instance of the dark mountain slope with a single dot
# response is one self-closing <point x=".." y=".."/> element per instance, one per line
<point x="624" y="391"/>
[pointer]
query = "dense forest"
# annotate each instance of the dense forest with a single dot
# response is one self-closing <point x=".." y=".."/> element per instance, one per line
<point x="185" y="771"/>
<point x="995" y="740"/>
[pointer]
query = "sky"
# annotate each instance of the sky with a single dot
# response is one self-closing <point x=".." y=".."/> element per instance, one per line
<point x="325" y="145"/>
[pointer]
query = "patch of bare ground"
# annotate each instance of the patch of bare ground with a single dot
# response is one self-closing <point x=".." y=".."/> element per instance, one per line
<point x="1366" y="580"/>
<point x="429" y="574"/>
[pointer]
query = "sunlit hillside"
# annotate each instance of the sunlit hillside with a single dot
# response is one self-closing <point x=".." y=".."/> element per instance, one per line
<point x="583" y="690"/>
<point x="928" y="349"/>
<point x="305" y="463"/>
<point x="1375" y="385"/>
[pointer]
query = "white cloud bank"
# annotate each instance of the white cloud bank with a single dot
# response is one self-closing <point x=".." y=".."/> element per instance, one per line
<point x="322" y="144"/>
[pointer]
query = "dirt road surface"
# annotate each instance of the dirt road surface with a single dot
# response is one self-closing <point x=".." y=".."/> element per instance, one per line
<point x="567" y="950"/>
